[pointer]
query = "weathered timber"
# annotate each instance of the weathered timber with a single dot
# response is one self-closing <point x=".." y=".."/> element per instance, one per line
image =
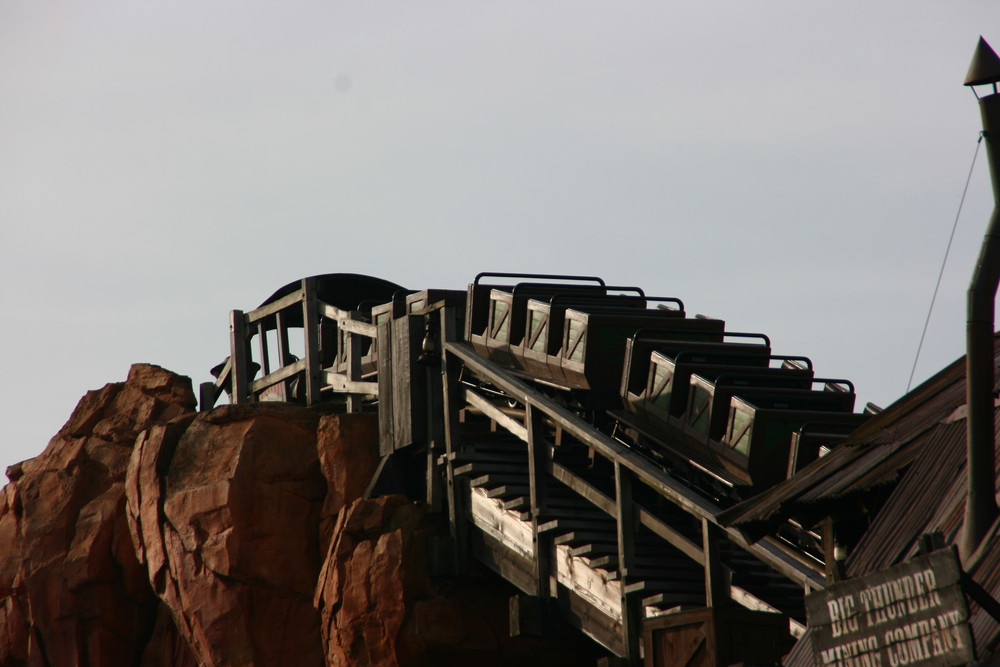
<point x="715" y="636"/>
<point x="277" y="376"/>
<point x="239" y="357"/>
<point x="276" y="307"/>
<point x="626" y="525"/>
<point x="497" y="415"/>
<point x="341" y="383"/>
<point x="310" y="317"/>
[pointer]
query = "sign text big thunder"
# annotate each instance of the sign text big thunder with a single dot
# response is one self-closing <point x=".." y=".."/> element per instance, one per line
<point x="910" y="614"/>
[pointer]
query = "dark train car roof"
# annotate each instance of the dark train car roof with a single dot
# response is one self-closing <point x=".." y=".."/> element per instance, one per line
<point x="346" y="291"/>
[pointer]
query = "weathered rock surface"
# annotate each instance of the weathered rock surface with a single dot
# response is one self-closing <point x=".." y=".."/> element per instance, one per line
<point x="349" y="455"/>
<point x="225" y="514"/>
<point x="148" y="534"/>
<point x="382" y="607"/>
<point x="72" y="591"/>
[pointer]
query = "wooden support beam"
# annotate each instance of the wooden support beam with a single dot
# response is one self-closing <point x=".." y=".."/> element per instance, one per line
<point x="675" y="538"/>
<point x="589" y="492"/>
<point x="238" y="356"/>
<point x="310" y="330"/>
<point x="538" y="455"/>
<point x="434" y="484"/>
<point x="716" y="586"/>
<point x="207" y="395"/>
<point x="345" y="320"/>
<point x="626" y="525"/>
<point x="340" y="383"/>
<point x="455" y="488"/>
<point x="265" y="361"/>
<point x="275" y="306"/>
<point x="284" y="353"/>
<point x="277" y="376"/>
<point x="353" y="354"/>
<point x="496" y="414"/>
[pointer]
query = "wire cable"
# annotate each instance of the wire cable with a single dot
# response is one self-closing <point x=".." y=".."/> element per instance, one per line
<point x="944" y="261"/>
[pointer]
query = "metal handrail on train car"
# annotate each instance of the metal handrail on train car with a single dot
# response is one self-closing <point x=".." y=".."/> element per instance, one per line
<point x="544" y="276"/>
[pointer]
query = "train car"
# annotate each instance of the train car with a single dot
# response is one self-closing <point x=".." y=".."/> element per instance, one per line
<point x="684" y="385"/>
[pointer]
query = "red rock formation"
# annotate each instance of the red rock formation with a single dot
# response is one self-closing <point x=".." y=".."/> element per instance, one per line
<point x="71" y="589"/>
<point x="349" y="455"/>
<point x="225" y="513"/>
<point x="151" y="535"/>
<point x="382" y="607"/>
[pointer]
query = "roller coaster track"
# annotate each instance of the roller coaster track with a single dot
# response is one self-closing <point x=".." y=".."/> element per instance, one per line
<point x="583" y="525"/>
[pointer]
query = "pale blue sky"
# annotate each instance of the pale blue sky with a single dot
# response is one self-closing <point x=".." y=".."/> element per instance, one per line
<point x="791" y="168"/>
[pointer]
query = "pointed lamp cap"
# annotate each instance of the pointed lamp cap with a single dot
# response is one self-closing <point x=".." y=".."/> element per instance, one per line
<point x="985" y="65"/>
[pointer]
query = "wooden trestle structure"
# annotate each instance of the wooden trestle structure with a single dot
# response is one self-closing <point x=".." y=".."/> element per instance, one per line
<point x="583" y="525"/>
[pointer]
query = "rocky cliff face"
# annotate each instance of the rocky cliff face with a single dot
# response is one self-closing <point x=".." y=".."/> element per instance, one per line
<point x="149" y="534"/>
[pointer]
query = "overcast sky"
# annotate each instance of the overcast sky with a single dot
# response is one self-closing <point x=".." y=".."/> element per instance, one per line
<point x="791" y="168"/>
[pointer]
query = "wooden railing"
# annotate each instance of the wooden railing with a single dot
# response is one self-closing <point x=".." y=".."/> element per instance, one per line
<point x="333" y="341"/>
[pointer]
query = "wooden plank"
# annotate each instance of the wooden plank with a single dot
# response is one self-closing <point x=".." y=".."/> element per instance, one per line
<point x="278" y="376"/>
<point x="340" y="382"/>
<point x="626" y="525"/>
<point x="673" y="537"/>
<point x="496" y="414"/>
<point x="716" y="589"/>
<point x="238" y="356"/>
<point x="387" y="434"/>
<point x="208" y="393"/>
<point x="353" y="354"/>
<point x="435" y="424"/>
<point x="409" y="384"/>
<point x="538" y="454"/>
<point x="582" y="614"/>
<point x="310" y="329"/>
<point x="590" y="493"/>
<point x="227" y="368"/>
<point x="275" y="306"/>
<point x="452" y="402"/>
<point x="345" y="320"/>
<point x="285" y="357"/>
<point x="265" y="360"/>
<point x="512" y="566"/>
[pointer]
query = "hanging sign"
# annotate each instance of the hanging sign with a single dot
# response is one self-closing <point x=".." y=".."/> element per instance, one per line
<point x="910" y="614"/>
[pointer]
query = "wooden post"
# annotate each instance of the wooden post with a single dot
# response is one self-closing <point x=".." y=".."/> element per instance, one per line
<point x="626" y="523"/>
<point x="206" y="396"/>
<point x="265" y="362"/>
<point x="238" y="355"/>
<point x="833" y="566"/>
<point x="451" y="392"/>
<point x="716" y="589"/>
<point x="353" y="354"/>
<point x="537" y="456"/>
<point x="284" y="355"/>
<point x="310" y="329"/>
<point x="436" y="417"/>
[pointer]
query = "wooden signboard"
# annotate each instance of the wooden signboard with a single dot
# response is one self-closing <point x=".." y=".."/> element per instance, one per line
<point x="910" y="614"/>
